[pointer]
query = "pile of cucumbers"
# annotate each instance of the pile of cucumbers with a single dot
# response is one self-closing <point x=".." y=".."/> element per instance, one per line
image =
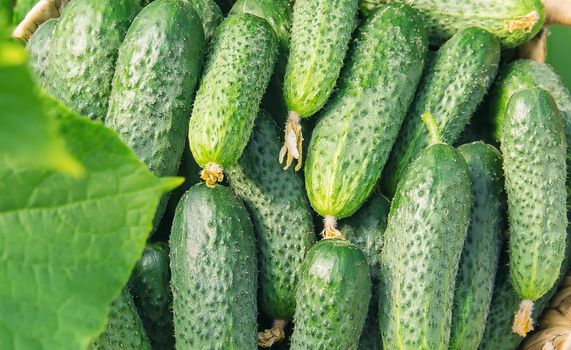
<point x="426" y="207"/>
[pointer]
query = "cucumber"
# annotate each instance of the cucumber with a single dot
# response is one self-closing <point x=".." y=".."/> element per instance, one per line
<point x="39" y="48"/>
<point x="479" y="261"/>
<point x="149" y="285"/>
<point x="321" y="31"/>
<point x="281" y="216"/>
<point x="534" y="148"/>
<point x="426" y="229"/>
<point x="84" y="49"/>
<point x="213" y="267"/>
<point x="512" y="21"/>
<point x="356" y="132"/>
<point x="332" y="297"/>
<point x="210" y="15"/>
<point x="453" y="85"/>
<point x="124" y="329"/>
<point x="21" y="9"/>
<point x="239" y="67"/>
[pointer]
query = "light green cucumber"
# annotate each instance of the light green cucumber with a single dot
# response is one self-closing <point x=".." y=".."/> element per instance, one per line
<point x="239" y="67"/>
<point x="214" y="272"/>
<point x="534" y="148"/>
<point x="332" y="297"/>
<point x="124" y="328"/>
<point x="453" y="85"/>
<point x="38" y="48"/>
<point x="479" y="261"/>
<point x="512" y="21"/>
<point x="426" y="229"/>
<point x="210" y="15"/>
<point x="352" y="141"/>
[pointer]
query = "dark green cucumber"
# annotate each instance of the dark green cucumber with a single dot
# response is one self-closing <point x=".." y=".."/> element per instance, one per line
<point x="124" y="328"/>
<point x="281" y="215"/>
<point x="512" y="21"/>
<point x="479" y="261"/>
<point x="534" y="148"/>
<point x="426" y="229"/>
<point x="39" y="48"/>
<point x="214" y="272"/>
<point x="332" y="297"/>
<point x="239" y="67"/>
<point x="352" y="141"/>
<point x="453" y="85"/>
<point x="210" y="15"/>
<point x="149" y="285"/>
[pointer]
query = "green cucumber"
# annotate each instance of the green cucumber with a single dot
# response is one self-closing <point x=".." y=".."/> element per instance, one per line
<point x="214" y="272"/>
<point x="512" y="21"/>
<point x="149" y="285"/>
<point x="453" y="85"/>
<point x="534" y="148"/>
<point x="39" y="48"/>
<point x="356" y="132"/>
<point x="479" y="261"/>
<point x="332" y="297"/>
<point x="124" y="329"/>
<point x="320" y="35"/>
<point x="21" y="9"/>
<point x="84" y="48"/>
<point x="210" y="15"/>
<point x="426" y="229"/>
<point x="239" y="67"/>
<point x="281" y="216"/>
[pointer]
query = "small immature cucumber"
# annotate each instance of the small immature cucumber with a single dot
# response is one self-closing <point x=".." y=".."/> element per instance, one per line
<point x="240" y="64"/>
<point x="534" y="148"/>
<point x="479" y="261"/>
<point x="352" y="141"/>
<point x="281" y="216"/>
<point x="332" y="297"/>
<point x="39" y="48"/>
<point x="210" y="16"/>
<point x="84" y="49"/>
<point x="214" y="272"/>
<point x="124" y="329"/>
<point x="149" y="285"/>
<point x="425" y="234"/>
<point x="453" y="85"/>
<point x="512" y="21"/>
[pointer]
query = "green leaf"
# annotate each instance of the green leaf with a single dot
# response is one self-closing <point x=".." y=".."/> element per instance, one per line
<point x="68" y="244"/>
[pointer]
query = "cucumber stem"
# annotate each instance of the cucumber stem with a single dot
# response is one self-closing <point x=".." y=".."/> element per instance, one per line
<point x="330" y="230"/>
<point x="293" y="141"/>
<point x="536" y="48"/>
<point x="41" y="12"/>
<point x="523" y="322"/>
<point x="212" y="174"/>
<point x="432" y="126"/>
<point x="557" y="12"/>
<point x="274" y="335"/>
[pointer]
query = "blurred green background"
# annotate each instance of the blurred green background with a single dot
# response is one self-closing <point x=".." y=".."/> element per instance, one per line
<point x="559" y="52"/>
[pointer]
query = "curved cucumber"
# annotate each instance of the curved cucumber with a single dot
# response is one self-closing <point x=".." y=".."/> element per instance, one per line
<point x="332" y="297"/>
<point x="240" y="64"/>
<point x="149" y="285"/>
<point x="512" y="21"/>
<point x="39" y="48"/>
<point x="281" y="216"/>
<point x="124" y="329"/>
<point x="475" y="280"/>
<point x="214" y="272"/>
<point x="84" y="49"/>
<point x="534" y="148"/>
<point x="453" y="85"/>
<point x="210" y="16"/>
<point x="425" y="235"/>
<point x="352" y="141"/>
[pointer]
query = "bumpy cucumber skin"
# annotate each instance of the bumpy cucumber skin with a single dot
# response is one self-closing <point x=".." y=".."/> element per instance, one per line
<point x="332" y="297"/>
<point x="84" y="49"/>
<point x="321" y="31"/>
<point x="210" y="15"/>
<point x="453" y="85"/>
<point x="534" y="148"/>
<point x="39" y="48"/>
<point x="149" y="285"/>
<point x="239" y="67"/>
<point x="214" y="272"/>
<point x="426" y="229"/>
<point x="479" y="261"/>
<point x="281" y="215"/>
<point x="124" y="328"/>
<point x="446" y="18"/>
<point x="353" y="138"/>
